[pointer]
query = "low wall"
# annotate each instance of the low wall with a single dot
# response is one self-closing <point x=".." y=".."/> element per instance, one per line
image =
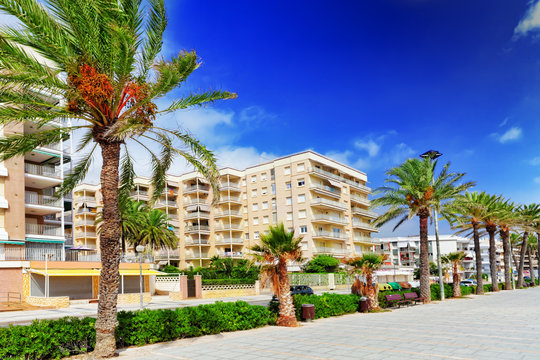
<point x="218" y="291"/>
<point x="134" y="298"/>
<point x="57" y="302"/>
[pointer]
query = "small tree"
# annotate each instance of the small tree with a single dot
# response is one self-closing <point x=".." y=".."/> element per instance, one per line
<point x="276" y="249"/>
<point x="322" y="264"/>
<point x="456" y="258"/>
<point x="366" y="265"/>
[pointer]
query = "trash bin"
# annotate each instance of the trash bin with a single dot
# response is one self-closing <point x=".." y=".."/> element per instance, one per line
<point x="364" y="304"/>
<point x="308" y="312"/>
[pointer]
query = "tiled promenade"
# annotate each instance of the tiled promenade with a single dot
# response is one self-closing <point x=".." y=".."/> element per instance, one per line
<point x="505" y="325"/>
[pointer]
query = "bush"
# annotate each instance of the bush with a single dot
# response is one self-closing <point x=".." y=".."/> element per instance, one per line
<point x="322" y="264"/>
<point x="54" y="339"/>
<point x="327" y="304"/>
<point x="169" y="269"/>
<point x="228" y="281"/>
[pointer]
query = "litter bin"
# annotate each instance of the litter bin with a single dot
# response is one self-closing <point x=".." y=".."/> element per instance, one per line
<point x="364" y="304"/>
<point x="308" y="312"/>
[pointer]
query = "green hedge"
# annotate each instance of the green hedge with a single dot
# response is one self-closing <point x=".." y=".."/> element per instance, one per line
<point x="228" y="281"/>
<point x="327" y="304"/>
<point x="54" y="339"/>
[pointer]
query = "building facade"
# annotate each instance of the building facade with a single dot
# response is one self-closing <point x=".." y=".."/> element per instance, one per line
<point x="323" y="201"/>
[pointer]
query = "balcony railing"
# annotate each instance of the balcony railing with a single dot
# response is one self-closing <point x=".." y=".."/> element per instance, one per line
<point x="39" y="229"/>
<point x="85" y="211"/>
<point x="330" y="218"/>
<point x="58" y="217"/>
<point x="334" y="190"/>
<point x="225" y="199"/>
<point x="165" y="203"/>
<point x="55" y="253"/>
<point x="36" y="199"/>
<point x="165" y="254"/>
<point x="196" y="202"/>
<point x="198" y="228"/>
<point x="364" y="225"/>
<point x="327" y="202"/>
<point x="339" y="178"/>
<point x="197" y="214"/>
<point x="229" y="186"/>
<point x="364" y="212"/>
<point x="330" y="234"/>
<point x="196" y="255"/>
<point x="41" y="170"/>
<point x="85" y="222"/>
<point x="365" y="240"/>
<point x="86" y="199"/>
<point x="197" y="242"/>
<point x="228" y="241"/>
<point x="359" y="199"/>
<point x="195" y="188"/>
<point x="229" y="227"/>
<point x="85" y="234"/>
<point x="327" y="250"/>
<point x="231" y="254"/>
<point x="228" y="213"/>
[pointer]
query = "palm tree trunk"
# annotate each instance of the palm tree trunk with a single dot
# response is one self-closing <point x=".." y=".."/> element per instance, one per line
<point x="110" y="253"/>
<point x="506" y="248"/>
<point x="514" y="258"/>
<point x="531" y="265"/>
<point x="478" y="259"/>
<point x="522" y="259"/>
<point x="287" y="315"/>
<point x="425" y="287"/>
<point x="491" y="229"/>
<point x="455" y="279"/>
<point x="372" y="291"/>
<point x="538" y="255"/>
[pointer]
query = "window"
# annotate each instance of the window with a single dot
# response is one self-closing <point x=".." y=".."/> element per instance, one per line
<point x="243" y="182"/>
<point x="245" y="210"/>
<point x="264" y="191"/>
<point x="254" y="178"/>
<point x="300" y="167"/>
<point x="272" y="174"/>
<point x="255" y="207"/>
<point x="302" y="214"/>
<point x="289" y="216"/>
<point x="247" y="236"/>
<point x="303" y="229"/>
<point x="244" y="196"/>
<point x="256" y="235"/>
<point x="263" y="176"/>
<point x="256" y="221"/>
<point x="301" y="182"/>
<point x="254" y="193"/>
<point x="288" y="201"/>
<point x="302" y="198"/>
<point x="265" y="220"/>
<point x="287" y="170"/>
<point x="273" y="189"/>
<point x="274" y="204"/>
<point x="265" y="205"/>
<point x="290" y="229"/>
<point x="274" y="218"/>
<point x="288" y="185"/>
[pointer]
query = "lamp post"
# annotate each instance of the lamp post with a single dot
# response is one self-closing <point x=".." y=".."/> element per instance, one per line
<point x="139" y="250"/>
<point x="432" y="155"/>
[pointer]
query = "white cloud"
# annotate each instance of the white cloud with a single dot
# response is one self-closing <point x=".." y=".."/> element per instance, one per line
<point x="254" y="114"/>
<point x="210" y="126"/>
<point x="537" y="179"/>
<point x="530" y="21"/>
<point x="241" y="157"/>
<point x="535" y="161"/>
<point x="504" y="122"/>
<point x="9" y="20"/>
<point x="512" y="134"/>
<point x="370" y="146"/>
<point x="341" y="156"/>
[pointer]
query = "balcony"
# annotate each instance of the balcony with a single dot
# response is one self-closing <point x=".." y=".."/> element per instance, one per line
<point x="43" y="230"/>
<point x="203" y="201"/>
<point x="363" y="212"/>
<point x="364" y="226"/>
<point x="37" y="204"/>
<point x="174" y="221"/>
<point x="197" y="242"/>
<point x="230" y="199"/>
<point x="332" y="235"/>
<point x="228" y="213"/>
<point x="41" y="176"/>
<point x="229" y="241"/>
<point x="170" y="191"/>
<point x="365" y="240"/>
<point x="319" y="250"/>
<point x="227" y="227"/>
<point x="85" y="222"/>
<point x="326" y="190"/>
<point x="165" y="254"/>
<point x="203" y="229"/>
<point x="196" y="188"/>
<point x="57" y="218"/>
<point x="328" y="219"/>
<point x="85" y="234"/>
<point x="230" y="254"/>
<point x="359" y="200"/>
<point x="140" y="195"/>
<point x="162" y="203"/>
<point x="192" y="255"/>
<point x="229" y="186"/>
<point x="198" y="214"/>
<point x="330" y="175"/>
<point x="326" y="203"/>
<point x="86" y="212"/>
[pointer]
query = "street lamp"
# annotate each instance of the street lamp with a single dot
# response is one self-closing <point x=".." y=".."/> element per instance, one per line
<point x="432" y="155"/>
<point x="139" y="250"/>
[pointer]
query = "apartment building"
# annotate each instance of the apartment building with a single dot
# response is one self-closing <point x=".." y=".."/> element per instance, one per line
<point x="33" y="223"/>
<point x="323" y="201"/>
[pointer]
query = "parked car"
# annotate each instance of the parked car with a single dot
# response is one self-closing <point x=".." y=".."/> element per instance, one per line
<point x="468" y="282"/>
<point x="405" y="285"/>
<point x="415" y="283"/>
<point x="395" y="285"/>
<point x="384" y="287"/>
<point x="297" y="290"/>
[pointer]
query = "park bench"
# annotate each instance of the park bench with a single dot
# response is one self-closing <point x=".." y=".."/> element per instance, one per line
<point x="412" y="296"/>
<point x="395" y="299"/>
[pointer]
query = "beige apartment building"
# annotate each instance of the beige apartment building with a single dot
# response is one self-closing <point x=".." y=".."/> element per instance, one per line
<point x="323" y="201"/>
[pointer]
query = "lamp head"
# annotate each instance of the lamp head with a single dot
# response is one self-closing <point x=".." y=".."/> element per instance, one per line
<point x="139" y="248"/>
<point x="432" y="154"/>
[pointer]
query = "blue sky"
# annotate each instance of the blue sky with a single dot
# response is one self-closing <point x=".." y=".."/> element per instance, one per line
<point x="369" y="83"/>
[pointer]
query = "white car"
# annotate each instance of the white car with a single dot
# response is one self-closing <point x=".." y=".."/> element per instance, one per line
<point x="468" y="282"/>
<point x="415" y="283"/>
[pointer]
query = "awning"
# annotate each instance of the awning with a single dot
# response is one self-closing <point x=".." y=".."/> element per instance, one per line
<point x="66" y="272"/>
<point x="191" y="207"/>
<point x="172" y="183"/>
<point x="144" y="272"/>
<point x="45" y="241"/>
<point x="334" y="183"/>
<point x="204" y="207"/>
<point x="11" y="242"/>
<point x="204" y="181"/>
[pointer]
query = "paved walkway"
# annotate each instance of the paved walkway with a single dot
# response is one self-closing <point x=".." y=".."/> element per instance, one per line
<point x="504" y="325"/>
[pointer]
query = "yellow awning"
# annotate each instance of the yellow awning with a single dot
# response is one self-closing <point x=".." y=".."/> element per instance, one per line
<point x="66" y="272"/>
<point x="144" y="272"/>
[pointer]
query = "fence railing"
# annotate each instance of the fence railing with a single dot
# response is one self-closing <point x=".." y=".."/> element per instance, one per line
<point x="320" y="279"/>
<point x="10" y="298"/>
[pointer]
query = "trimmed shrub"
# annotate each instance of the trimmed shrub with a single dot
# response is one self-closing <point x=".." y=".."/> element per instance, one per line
<point x="327" y="304"/>
<point x="54" y="339"/>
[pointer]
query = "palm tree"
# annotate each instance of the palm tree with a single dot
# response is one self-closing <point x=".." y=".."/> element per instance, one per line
<point x="529" y="215"/>
<point x="515" y="240"/>
<point x="466" y="213"/>
<point x="274" y="252"/>
<point x="96" y="62"/>
<point x="416" y="191"/>
<point x="156" y="232"/>
<point x="456" y="258"/>
<point x="367" y="264"/>
<point x="506" y="219"/>
<point x="532" y="246"/>
<point x="446" y="263"/>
